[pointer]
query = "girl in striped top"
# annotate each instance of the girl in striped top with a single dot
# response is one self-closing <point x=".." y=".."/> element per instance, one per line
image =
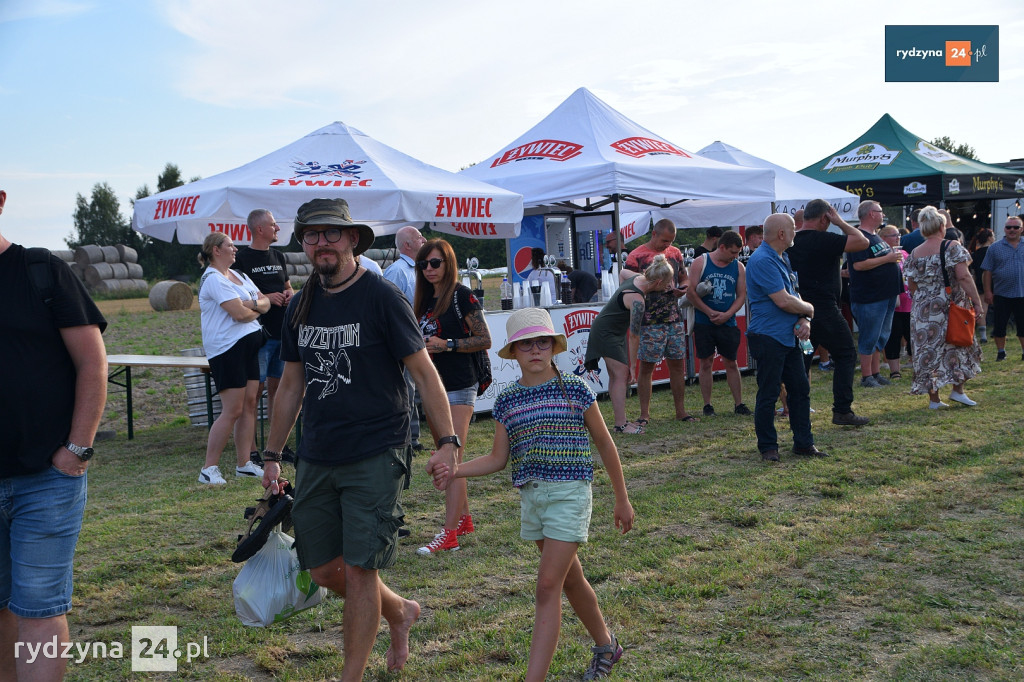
<point x="541" y="429"/>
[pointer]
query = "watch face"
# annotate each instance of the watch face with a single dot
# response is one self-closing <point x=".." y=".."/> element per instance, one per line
<point x="85" y="455"/>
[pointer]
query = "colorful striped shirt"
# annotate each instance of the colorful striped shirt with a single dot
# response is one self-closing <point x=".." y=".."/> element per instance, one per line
<point x="547" y="437"/>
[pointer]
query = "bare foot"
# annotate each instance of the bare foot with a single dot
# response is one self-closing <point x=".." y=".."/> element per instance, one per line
<point x="398" y="652"/>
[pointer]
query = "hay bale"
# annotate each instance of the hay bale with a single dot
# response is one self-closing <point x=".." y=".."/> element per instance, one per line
<point x="98" y="272"/>
<point x="127" y="254"/>
<point x="110" y="254"/>
<point x="134" y="284"/>
<point x="66" y="255"/>
<point x="88" y="254"/>
<point x="134" y="270"/>
<point x="119" y="270"/>
<point x="170" y="295"/>
<point x="107" y="285"/>
<point x="295" y="257"/>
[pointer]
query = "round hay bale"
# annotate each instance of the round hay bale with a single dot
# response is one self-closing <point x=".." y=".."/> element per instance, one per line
<point x="170" y="295"/>
<point x="295" y="257"/>
<point x="134" y="284"/>
<point x="107" y="285"/>
<point x="126" y="254"/>
<point x="88" y="254"/>
<point x="110" y="254"/>
<point x="119" y="270"/>
<point x="134" y="270"/>
<point x="66" y="255"/>
<point x="289" y="269"/>
<point x="98" y="272"/>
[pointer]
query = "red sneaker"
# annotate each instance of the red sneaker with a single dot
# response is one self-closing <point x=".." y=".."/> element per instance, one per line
<point x="445" y="540"/>
<point x="465" y="526"/>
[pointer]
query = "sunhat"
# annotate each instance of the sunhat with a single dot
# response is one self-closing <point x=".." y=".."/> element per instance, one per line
<point x="333" y="212"/>
<point x="530" y="323"/>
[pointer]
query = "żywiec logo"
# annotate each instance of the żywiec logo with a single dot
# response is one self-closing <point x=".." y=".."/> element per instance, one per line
<point x="865" y="157"/>
<point x="578" y="321"/>
<point x="954" y="186"/>
<point x="316" y="174"/>
<point x="933" y="153"/>
<point x="553" y="150"/>
<point x="915" y="188"/>
<point x="642" y="146"/>
<point x="463" y="207"/>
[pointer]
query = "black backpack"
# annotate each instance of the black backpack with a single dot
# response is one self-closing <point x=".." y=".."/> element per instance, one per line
<point x="38" y="261"/>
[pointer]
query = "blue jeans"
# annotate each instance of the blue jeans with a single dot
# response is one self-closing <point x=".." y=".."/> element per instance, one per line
<point x="874" y="322"/>
<point x="777" y="365"/>
<point x="271" y="364"/>
<point x="40" y="517"/>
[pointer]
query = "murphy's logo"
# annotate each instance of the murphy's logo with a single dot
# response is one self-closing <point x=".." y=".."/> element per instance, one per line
<point x="915" y="188"/>
<point x="1018" y="186"/>
<point x="643" y="146"/>
<point x="578" y="321"/>
<point x="954" y="186"/>
<point x="865" y="157"/>
<point x="553" y="150"/>
<point x="933" y="153"/>
<point x="316" y="174"/>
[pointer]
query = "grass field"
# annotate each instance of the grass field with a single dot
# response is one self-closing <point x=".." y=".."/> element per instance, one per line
<point x="899" y="557"/>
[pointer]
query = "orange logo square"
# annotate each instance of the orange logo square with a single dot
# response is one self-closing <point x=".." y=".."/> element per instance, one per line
<point x="958" y="53"/>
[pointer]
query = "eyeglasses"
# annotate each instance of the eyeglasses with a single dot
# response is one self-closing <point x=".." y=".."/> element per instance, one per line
<point x="542" y="343"/>
<point x="331" y="234"/>
<point x="434" y="263"/>
<point x="1011" y="227"/>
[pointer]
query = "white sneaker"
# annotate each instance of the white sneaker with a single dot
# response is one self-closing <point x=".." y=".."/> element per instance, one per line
<point x="962" y="399"/>
<point x="211" y="476"/>
<point x="935" y="406"/>
<point x="250" y="470"/>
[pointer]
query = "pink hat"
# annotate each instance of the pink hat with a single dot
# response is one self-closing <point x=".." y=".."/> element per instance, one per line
<point x="530" y="323"/>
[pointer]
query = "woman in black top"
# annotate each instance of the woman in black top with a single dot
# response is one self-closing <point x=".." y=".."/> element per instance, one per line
<point x="453" y="325"/>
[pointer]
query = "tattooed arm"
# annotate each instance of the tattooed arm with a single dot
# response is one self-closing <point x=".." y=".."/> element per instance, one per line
<point x="635" y="302"/>
<point x="480" y="338"/>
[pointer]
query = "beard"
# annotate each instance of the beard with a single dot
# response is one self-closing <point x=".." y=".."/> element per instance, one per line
<point x="328" y="270"/>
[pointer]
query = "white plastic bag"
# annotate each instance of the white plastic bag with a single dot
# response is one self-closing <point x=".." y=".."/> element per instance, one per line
<point x="270" y="587"/>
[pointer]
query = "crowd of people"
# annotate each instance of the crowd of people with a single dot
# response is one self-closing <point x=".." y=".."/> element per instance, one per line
<point x="356" y="351"/>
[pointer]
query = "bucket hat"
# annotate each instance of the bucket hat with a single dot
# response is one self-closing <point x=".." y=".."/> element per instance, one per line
<point x="333" y="212"/>
<point x="529" y="323"/>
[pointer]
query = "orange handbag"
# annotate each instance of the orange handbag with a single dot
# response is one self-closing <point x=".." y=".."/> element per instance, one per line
<point x="960" y="325"/>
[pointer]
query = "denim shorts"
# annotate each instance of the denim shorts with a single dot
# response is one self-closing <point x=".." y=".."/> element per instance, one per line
<point x="463" y="396"/>
<point x="556" y="510"/>
<point x="271" y="364"/>
<point x="350" y="510"/>
<point x="874" y="322"/>
<point x="659" y="341"/>
<point x="40" y="518"/>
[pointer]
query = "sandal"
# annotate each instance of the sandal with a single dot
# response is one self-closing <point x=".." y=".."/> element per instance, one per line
<point x="642" y="422"/>
<point x="688" y="418"/>
<point x="629" y="427"/>
<point x="604" y="658"/>
<point x="895" y="375"/>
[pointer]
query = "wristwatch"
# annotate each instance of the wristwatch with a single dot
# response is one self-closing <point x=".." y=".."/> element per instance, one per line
<point x="451" y="344"/>
<point x="84" y="454"/>
<point x="454" y="439"/>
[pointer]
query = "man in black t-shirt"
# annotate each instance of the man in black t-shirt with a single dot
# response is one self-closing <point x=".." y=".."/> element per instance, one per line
<point x="815" y="257"/>
<point x="345" y="340"/>
<point x="584" y="284"/>
<point x="268" y="270"/>
<point x="53" y="389"/>
<point x="711" y="237"/>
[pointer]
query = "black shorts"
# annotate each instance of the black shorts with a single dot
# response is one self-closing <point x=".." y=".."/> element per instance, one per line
<point x="239" y="364"/>
<point x="708" y="337"/>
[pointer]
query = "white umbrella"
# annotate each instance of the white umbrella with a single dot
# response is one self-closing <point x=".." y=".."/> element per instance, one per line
<point x="383" y="187"/>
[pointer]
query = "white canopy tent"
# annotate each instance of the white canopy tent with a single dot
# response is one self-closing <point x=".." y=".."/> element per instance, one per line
<point x="585" y="155"/>
<point x="384" y="188"/>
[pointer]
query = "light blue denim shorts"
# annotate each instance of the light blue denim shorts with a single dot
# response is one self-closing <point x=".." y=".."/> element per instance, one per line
<point x="556" y="510"/>
<point x="463" y="396"/>
<point x="40" y="518"/>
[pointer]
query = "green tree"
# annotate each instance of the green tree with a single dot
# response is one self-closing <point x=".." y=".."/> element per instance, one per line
<point x="98" y="220"/>
<point x="164" y="260"/>
<point x="949" y="145"/>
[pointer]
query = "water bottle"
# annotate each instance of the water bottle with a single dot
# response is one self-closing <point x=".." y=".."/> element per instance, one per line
<point x="520" y="297"/>
<point x="805" y="344"/>
<point x="506" y="294"/>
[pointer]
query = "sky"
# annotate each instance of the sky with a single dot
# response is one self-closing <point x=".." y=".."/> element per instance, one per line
<point x="111" y="91"/>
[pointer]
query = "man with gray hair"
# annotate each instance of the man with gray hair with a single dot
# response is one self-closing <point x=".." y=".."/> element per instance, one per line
<point x="402" y="273"/>
<point x="815" y="257"/>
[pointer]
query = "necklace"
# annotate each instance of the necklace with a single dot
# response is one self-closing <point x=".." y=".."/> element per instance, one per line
<point x="344" y="281"/>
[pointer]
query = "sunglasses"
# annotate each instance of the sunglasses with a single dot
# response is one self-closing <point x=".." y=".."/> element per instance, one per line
<point x="542" y="343"/>
<point x="1011" y="227"/>
<point x="331" y="234"/>
<point x="434" y="263"/>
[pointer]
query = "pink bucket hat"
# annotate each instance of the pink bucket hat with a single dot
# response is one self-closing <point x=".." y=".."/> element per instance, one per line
<point x="530" y="323"/>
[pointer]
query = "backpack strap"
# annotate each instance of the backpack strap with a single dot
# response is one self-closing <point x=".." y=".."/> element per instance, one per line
<point x="38" y="261"/>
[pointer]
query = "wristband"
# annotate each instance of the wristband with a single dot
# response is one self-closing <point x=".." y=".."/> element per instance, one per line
<point x="271" y="456"/>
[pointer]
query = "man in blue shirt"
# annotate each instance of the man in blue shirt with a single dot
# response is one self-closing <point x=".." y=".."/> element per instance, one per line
<point x="914" y="239"/>
<point x="777" y="319"/>
<point x="1003" y="278"/>
<point x="402" y="273"/>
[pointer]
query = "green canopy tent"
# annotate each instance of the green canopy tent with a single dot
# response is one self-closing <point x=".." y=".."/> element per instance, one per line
<point x="891" y="165"/>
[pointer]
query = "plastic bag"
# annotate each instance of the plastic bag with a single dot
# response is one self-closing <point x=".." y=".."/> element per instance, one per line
<point x="270" y="587"/>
